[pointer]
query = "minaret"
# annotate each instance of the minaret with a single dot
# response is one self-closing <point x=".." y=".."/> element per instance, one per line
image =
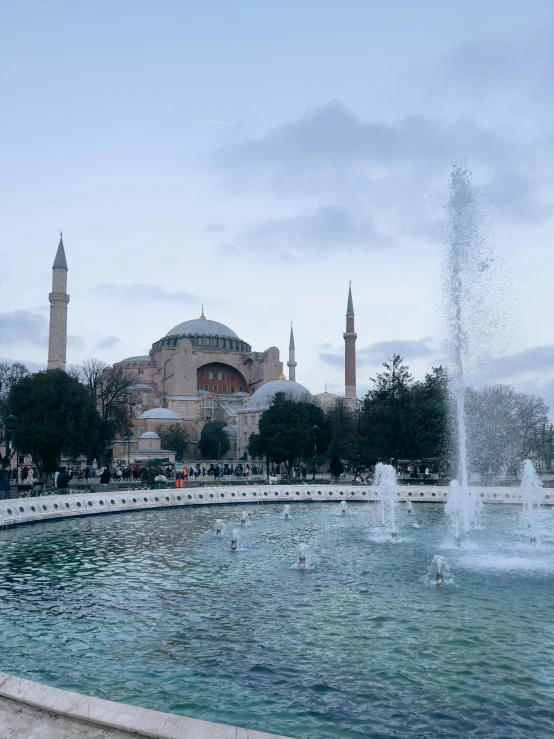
<point x="291" y="364"/>
<point x="350" y="353"/>
<point x="57" y="341"/>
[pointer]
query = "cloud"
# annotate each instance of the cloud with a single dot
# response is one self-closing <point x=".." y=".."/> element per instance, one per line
<point x="215" y="227"/>
<point x="379" y="352"/>
<point x="31" y="366"/>
<point x="109" y="342"/>
<point x="142" y="292"/>
<point x="74" y="342"/>
<point x="535" y="359"/>
<point x="330" y="139"/>
<point x="323" y="229"/>
<point x="21" y="326"/>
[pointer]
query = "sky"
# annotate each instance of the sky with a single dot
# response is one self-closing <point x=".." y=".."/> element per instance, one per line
<point x="254" y="157"/>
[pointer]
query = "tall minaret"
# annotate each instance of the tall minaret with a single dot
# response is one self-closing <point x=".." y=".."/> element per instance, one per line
<point x="291" y="364"/>
<point x="350" y="352"/>
<point x="57" y="340"/>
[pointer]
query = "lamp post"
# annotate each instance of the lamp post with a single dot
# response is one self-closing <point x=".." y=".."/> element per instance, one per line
<point x="314" y="431"/>
<point x="9" y="423"/>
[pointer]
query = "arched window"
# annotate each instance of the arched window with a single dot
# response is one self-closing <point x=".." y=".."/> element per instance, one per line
<point x="206" y="387"/>
<point x="232" y="388"/>
<point x="215" y="388"/>
<point x="241" y="389"/>
<point x="224" y="388"/>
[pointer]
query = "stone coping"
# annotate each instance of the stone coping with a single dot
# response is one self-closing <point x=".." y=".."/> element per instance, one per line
<point x="55" y="507"/>
<point x="100" y="712"/>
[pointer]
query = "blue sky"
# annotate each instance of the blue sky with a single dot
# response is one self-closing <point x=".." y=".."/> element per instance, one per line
<point x="337" y="125"/>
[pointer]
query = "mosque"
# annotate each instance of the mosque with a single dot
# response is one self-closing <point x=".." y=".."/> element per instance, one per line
<point x="201" y="371"/>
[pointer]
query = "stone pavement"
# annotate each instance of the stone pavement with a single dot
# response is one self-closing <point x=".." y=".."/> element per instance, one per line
<point x="18" y="721"/>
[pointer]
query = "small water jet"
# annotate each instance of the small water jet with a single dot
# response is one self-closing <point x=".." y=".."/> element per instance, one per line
<point x="342" y="507"/>
<point x="385" y="481"/>
<point x="531" y="493"/>
<point x="286" y="512"/>
<point x="303" y="553"/>
<point x="234" y="540"/>
<point x="440" y="569"/>
<point x="409" y="506"/>
<point x="244" y="518"/>
<point x="455" y="509"/>
<point x="219" y="527"/>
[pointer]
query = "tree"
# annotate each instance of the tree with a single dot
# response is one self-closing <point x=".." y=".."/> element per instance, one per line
<point x="174" y="438"/>
<point x="343" y="423"/>
<point x="285" y="432"/>
<point x="10" y="374"/>
<point x="214" y="442"/>
<point x="385" y="417"/>
<point x="111" y="389"/>
<point x="55" y="415"/>
<point x="336" y="467"/>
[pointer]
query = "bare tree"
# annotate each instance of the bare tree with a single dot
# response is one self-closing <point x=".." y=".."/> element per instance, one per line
<point x="112" y="389"/>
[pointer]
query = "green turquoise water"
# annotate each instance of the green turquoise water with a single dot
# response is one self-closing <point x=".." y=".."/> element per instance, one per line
<point x="153" y="609"/>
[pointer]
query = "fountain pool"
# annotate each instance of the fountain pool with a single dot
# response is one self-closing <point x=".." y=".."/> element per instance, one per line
<point x="152" y="609"/>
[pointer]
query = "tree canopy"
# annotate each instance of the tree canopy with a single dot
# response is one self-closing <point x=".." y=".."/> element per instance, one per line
<point x="55" y="415"/>
<point x="285" y="432"/>
<point x="174" y="438"/>
<point x="214" y="442"/>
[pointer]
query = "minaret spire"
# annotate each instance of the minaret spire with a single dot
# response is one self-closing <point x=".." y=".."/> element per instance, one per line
<point x="57" y="339"/>
<point x="291" y="364"/>
<point x="350" y="337"/>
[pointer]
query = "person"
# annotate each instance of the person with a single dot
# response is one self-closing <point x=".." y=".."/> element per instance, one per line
<point x="272" y="479"/>
<point x="105" y="477"/>
<point x="62" y="481"/>
<point x="5" y="477"/>
<point x="179" y="479"/>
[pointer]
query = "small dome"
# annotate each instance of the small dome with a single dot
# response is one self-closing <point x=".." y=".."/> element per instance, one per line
<point x="264" y="395"/>
<point x="202" y="327"/>
<point x="149" y="435"/>
<point x="141" y="358"/>
<point x="165" y="413"/>
<point x="231" y="431"/>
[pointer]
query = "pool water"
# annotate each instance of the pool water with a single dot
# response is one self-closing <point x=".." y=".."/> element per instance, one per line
<point x="151" y="608"/>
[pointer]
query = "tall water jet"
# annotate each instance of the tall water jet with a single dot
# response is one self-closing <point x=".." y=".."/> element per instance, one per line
<point x="531" y="494"/>
<point x="465" y="311"/>
<point x="286" y="512"/>
<point x="303" y="553"/>
<point x="385" y="481"/>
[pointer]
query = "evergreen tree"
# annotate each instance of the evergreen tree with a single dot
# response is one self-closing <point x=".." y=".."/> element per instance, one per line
<point x="55" y="415"/>
<point x="174" y="438"/>
<point x="214" y="442"/>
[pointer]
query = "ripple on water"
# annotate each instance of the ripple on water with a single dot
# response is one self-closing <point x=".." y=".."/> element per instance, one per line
<point x="154" y="610"/>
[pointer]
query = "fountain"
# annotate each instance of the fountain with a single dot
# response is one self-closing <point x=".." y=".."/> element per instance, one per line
<point x="234" y="540"/>
<point x="385" y="481"/>
<point x="286" y="512"/>
<point x="531" y="493"/>
<point x="303" y="554"/>
<point x="465" y="299"/>
<point x="219" y="527"/>
<point x="342" y="507"/>
<point x="244" y="519"/>
<point x="409" y="506"/>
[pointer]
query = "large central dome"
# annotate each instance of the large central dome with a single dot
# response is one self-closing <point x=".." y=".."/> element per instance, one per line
<point x="202" y="327"/>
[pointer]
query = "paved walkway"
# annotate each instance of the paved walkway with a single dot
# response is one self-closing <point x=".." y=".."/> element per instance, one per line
<point x="18" y="721"/>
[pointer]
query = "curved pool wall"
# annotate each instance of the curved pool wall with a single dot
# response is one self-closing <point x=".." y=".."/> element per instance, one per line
<point x="18" y="511"/>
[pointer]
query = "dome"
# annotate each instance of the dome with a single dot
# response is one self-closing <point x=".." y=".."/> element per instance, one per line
<point x="162" y="413"/>
<point x="141" y="358"/>
<point x="203" y="327"/>
<point x="264" y="395"/>
<point x="149" y="435"/>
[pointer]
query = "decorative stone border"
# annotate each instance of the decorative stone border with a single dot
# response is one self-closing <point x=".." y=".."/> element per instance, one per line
<point x="54" y="507"/>
<point x="109" y="714"/>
